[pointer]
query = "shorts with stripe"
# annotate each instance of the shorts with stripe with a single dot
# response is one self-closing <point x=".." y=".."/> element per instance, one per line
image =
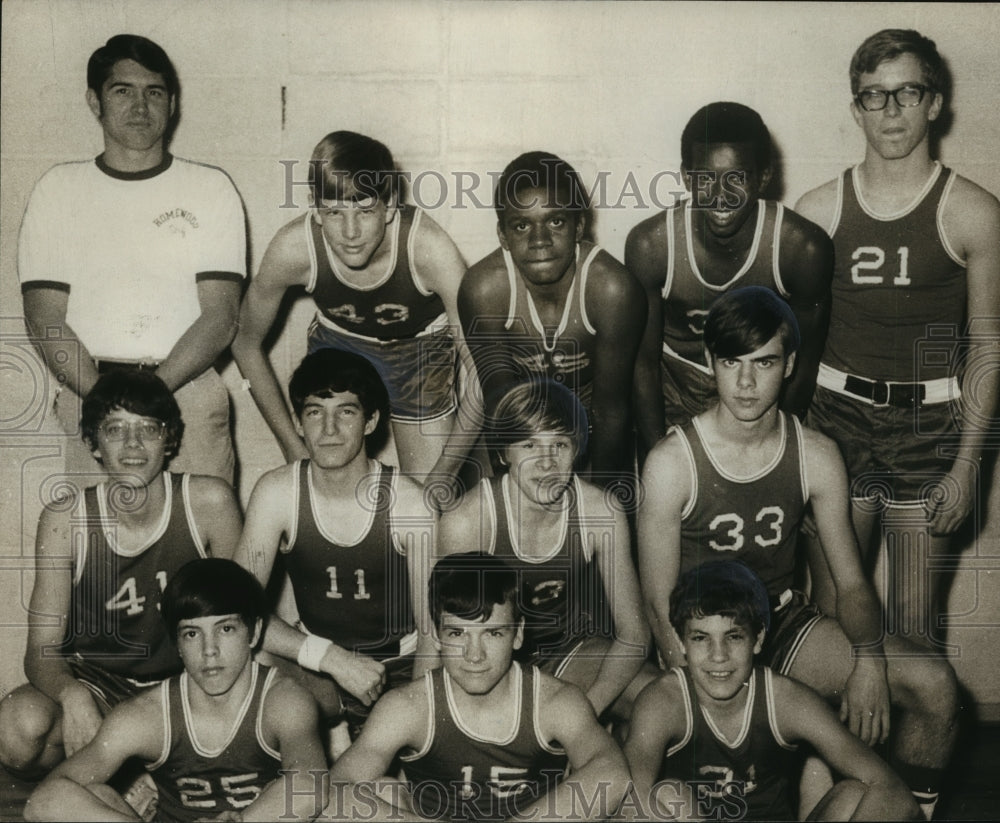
<point x="891" y="452"/>
<point x="418" y="372"/>
<point x="687" y="391"/>
<point x="791" y="622"/>
<point x="109" y="689"/>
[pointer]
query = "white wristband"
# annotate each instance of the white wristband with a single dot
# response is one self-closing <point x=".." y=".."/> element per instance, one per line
<point x="311" y="652"/>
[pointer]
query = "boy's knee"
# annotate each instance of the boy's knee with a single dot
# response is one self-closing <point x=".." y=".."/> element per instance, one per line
<point x="27" y="720"/>
<point x="933" y="687"/>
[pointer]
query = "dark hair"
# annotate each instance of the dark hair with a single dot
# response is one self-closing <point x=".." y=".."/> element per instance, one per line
<point x="137" y="391"/>
<point x="345" y="162"/>
<point x="726" y="122"/>
<point x="724" y="587"/>
<point x="534" y="406"/>
<point x="468" y="585"/>
<point x="147" y="54"/>
<point x="540" y="170"/>
<point x="209" y="587"/>
<point x="889" y="44"/>
<point x="325" y="372"/>
<point x="743" y="320"/>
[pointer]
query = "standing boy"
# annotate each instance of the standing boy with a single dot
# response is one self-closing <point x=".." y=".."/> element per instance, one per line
<point x="147" y="273"/>
<point x="724" y="236"/>
<point x="729" y="728"/>
<point x="227" y="739"/>
<point x="385" y="280"/>
<point x="103" y="558"/>
<point x="567" y="539"/>
<point x="734" y="482"/>
<point x="908" y="382"/>
<point x="482" y="737"/>
<point x="355" y="536"/>
<point x="549" y="303"/>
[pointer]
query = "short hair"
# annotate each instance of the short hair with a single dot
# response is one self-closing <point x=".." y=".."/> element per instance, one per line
<point x="535" y="406"/>
<point x="345" y="161"/>
<point x="728" y="588"/>
<point x="743" y="320"/>
<point x="726" y="122"/>
<point x="212" y="586"/>
<point x="540" y="170"/>
<point x="138" y="391"/>
<point x="469" y="585"/>
<point x="325" y="372"/>
<point x="144" y="51"/>
<point x="889" y="44"/>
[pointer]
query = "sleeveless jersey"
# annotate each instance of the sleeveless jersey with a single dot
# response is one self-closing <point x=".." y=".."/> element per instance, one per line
<point x="198" y="783"/>
<point x="562" y="599"/>
<point x="358" y="596"/>
<point x="567" y="353"/>
<point x="755" y="519"/>
<point x="746" y="779"/>
<point x="394" y="307"/>
<point x="457" y="775"/>
<point x="114" y="618"/>
<point x="688" y="292"/>
<point x="894" y="276"/>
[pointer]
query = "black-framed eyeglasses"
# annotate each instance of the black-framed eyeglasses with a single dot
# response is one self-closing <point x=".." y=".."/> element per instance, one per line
<point x="145" y="430"/>
<point x="905" y="97"/>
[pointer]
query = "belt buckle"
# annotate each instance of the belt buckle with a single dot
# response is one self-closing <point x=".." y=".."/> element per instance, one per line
<point x="880" y="393"/>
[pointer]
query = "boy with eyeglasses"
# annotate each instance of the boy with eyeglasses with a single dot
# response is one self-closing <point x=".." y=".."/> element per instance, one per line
<point x="103" y="558"/>
<point x="909" y="377"/>
<point x="726" y="235"/>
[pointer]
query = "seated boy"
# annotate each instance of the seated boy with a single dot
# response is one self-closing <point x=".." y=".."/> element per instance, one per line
<point x="102" y="560"/>
<point x="355" y="537"/>
<point x="385" y="279"/>
<point x="729" y="728"/>
<point x="482" y="737"/>
<point x="549" y="303"/>
<point x="219" y="738"/>
<point x="567" y="539"/>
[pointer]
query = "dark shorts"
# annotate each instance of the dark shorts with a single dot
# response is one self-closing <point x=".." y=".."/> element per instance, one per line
<point x="555" y="660"/>
<point x="109" y="689"/>
<point x="791" y="621"/>
<point x="687" y="391"/>
<point x="398" y="672"/>
<point x="891" y="452"/>
<point x="418" y="372"/>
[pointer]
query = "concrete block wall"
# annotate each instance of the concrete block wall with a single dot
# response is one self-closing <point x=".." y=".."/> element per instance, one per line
<point x="454" y="88"/>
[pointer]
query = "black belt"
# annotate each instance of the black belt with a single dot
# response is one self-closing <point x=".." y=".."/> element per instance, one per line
<point x="105" y="366"/>
<point x="886" y="394"/>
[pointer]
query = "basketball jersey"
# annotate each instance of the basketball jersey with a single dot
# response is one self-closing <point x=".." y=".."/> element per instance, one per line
<point x="561" y="594"/>
<point x="356" y="595"/>
<point x="195" y="782"/>
<point x="565" y="354"/>
<point x="894" y="276"/>
<point x="755" y="519"/>
<point x="476" y="778"/>
<point x="114" y="617"/>
<point x="688" y="292"/>
<point x="746" y="779"/>
<point x="394" y="307"/>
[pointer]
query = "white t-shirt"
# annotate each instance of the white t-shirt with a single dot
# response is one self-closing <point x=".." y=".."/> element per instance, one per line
<point x="130" y="248"/>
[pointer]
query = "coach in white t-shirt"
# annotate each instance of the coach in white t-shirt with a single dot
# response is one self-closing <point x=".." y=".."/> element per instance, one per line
<point x="136" y="259"/>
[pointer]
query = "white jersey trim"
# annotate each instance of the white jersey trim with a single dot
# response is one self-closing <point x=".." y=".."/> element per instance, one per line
<point x="668" y="280"/>
<point x="909" y="207"/>
<point x="764" y="472"/>
<point x="431" y="721"/>
<point x="751" y="255"/>
<point x="411" y="243"/>
<point x="942" y="235"/>
<point x="488" y="506"/>
<point x="167" y="730"/>
<point x="699" y="366"/>
<point x="311" y="251"/>
<point x="772" y="714"/>
<point x="158" y="532"/>
<point x="838" y="207"/>
<point x="779" y="218"/>
<point x="512" y="527"/>
<point x="692" y="472"/>
<point x="189" y="515"/>
<point x="259" y="725"/>
<point x="584" y="272"/>
<point x="382" y="279"/>
<point x="803" y="473"/>
<point x="240" y="715"/>
<point x="688" y="714"/>
<point x="517" y="674"/>
<point x="536" y="694"/>
<point x="744" y="725"/>
<point x="293" y="525"/>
